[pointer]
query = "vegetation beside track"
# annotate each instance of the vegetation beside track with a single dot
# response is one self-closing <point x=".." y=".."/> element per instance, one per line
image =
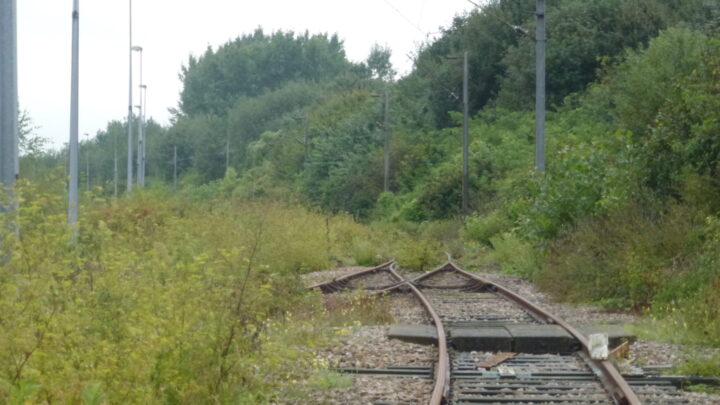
<point x="167" y="299"/>
<point x="627" y="215"/>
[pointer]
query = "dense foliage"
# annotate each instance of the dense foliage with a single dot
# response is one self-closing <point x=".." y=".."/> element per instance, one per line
<point x="626" y="215"/>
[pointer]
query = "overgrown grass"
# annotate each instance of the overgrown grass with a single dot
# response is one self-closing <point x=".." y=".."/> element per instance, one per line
<point x="358" y="308"/>
<point x="623" y="259"/>
<point x="166" y="299"/>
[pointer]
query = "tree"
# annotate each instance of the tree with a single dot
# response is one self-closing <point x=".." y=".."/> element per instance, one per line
<point x="255" y="64"/>
<point x="580" y="33"/>
<point x="379" y="63"/>
<point x="30" y="142"/>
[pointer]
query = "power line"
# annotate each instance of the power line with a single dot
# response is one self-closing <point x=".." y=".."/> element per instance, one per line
<point x="486" y="9"/>
<point x="417" y="27"/>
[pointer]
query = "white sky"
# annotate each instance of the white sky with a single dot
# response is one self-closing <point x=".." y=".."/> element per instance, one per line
<point x="170" y="30"/>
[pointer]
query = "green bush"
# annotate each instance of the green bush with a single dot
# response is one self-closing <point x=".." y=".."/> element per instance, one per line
<point x="482" y="228"/>
<point x="515" y="256"/>
<point x="623" y="258"/>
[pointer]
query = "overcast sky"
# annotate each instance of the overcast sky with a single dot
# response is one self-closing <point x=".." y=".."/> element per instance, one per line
<point x="170" y="30"/>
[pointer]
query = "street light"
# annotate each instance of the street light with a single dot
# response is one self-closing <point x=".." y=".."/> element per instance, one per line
<point x="130" y="113"/>
<point x="139" y="180"/>
<point x="143" y="136"/>
<point x="73" y="146"/>
<point x="8" y="105"/>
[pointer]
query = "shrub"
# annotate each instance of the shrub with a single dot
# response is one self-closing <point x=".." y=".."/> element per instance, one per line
<point x="482" y="228"/>
<point x="514" y="255"/>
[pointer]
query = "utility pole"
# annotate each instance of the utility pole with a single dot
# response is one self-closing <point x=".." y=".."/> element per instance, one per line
<point x="138" y="171"/>
<point x="175" y="167"/>
<point x="305" y="141"/>
<point x="143" y="161"/>
<point x="540" y="40"/>
<point x="130" y="113"/>
<point x="386" y="149"/>
<point x="138" y="176"/>
<point x="115" y="165"/>
<point x="227" y="154"/>
<point x="74" y="155"/>
<point x="8" y="105"/>
<point x="466" y="143"/>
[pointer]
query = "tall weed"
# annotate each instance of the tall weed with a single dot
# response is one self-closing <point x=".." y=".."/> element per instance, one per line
<point x="165" y="299"/>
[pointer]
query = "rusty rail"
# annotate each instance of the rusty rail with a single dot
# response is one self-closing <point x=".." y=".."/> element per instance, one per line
<point x="442" y="369"/>
<point x="610" y="377"/>
<point x="339" y="283"/>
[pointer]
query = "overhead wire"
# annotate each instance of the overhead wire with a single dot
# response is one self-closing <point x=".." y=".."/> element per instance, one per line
<point x="487" y="9"/>
<point x="414" y="25"/>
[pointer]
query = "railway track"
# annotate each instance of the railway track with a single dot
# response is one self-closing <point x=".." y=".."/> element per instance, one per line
<point x="495" y="347"/>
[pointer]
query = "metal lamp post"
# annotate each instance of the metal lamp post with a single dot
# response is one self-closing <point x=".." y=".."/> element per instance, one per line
<point x="143" y="135"/>
<point x="73" y="186"/>
<point x="130" y="113"/>
<point x="138" y="177"/>
<point x="8" y="105"/>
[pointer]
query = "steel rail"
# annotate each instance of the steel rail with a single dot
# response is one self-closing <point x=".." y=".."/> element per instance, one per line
<point x="442" y="370"/>
<point x="612" y="380"/>
<point x="329" y="284"/>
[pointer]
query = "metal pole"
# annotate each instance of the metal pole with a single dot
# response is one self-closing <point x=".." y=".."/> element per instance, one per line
<point x="540" y="40"/>
<point x="115" y="165"/>
<point x="175" y="167"/>
<point x="138" y="177"/>
<point x="73" y="187"/>
<point x="386" y="149"/>
<point x="466" y="146"/>
<point x="305" y="141"/>
<point x="8" y="105"/>
<point x="130" y="114"/>
<point x="227" y="154"/>
<point x="144" y="130"/>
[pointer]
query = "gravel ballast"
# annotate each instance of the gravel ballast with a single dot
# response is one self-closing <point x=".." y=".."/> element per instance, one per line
<point x="368" y="347"/>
